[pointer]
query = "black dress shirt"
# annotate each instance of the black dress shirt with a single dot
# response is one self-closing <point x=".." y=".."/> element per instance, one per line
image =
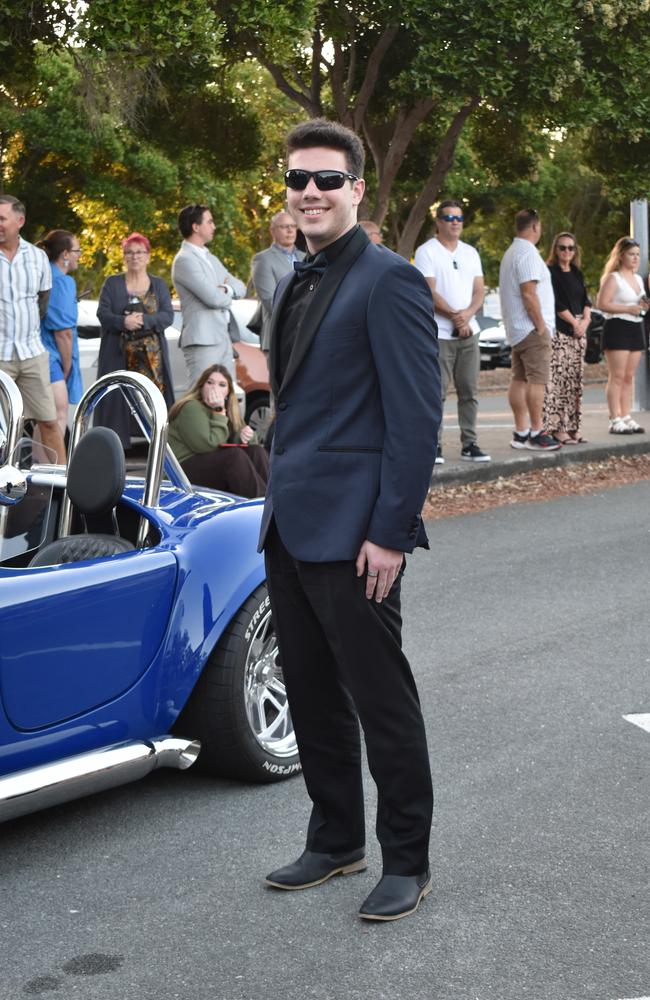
<point x="299" y="300"/>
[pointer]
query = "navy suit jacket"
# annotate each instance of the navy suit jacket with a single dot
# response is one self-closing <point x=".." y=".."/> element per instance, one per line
<point x="358" y="410"/>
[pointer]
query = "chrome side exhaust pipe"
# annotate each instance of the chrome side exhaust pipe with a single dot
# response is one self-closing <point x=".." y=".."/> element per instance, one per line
<point x="86" y="773"/>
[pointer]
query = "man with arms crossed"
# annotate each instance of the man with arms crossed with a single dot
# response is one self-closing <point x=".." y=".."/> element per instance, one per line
<point x="272" y="264"/>
<point x="205" y="290"/>
<point x="25" y="283"/>
<point x="455" y="276"/>
<point x="528" y="310"/>
<point x="354" y="372"/>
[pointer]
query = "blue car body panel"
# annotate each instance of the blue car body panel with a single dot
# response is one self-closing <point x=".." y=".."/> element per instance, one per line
<point x="98" y="652"/>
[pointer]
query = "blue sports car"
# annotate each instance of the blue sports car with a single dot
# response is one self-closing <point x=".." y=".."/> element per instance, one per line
<point x="135" y="627"/>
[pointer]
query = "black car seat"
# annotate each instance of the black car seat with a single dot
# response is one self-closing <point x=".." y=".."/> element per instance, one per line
<point x="96" y="476"/>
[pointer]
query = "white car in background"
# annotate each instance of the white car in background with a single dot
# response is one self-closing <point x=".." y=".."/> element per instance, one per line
<point x="493" y="344"/>
<point x="252" y="386"/>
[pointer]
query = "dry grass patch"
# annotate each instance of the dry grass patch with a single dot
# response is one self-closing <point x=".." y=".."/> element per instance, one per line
<point x="542" y="484"/>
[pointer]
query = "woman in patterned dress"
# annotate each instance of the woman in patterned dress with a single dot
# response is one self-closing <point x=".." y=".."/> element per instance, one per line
<point x="563" y="399"/>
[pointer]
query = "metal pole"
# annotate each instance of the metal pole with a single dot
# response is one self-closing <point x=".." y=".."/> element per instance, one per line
<point x="639" y="232"/>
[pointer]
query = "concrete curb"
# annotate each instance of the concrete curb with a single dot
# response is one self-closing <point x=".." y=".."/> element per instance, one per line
<point x="528" y="461"/>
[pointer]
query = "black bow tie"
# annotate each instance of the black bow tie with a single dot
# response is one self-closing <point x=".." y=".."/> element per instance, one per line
<point x="317" y="265"/>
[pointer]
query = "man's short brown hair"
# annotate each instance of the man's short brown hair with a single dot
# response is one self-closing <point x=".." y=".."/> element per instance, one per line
<point x="525" y="218"/>
<point x="333" y="135"/>
<point x="444" y="205"/>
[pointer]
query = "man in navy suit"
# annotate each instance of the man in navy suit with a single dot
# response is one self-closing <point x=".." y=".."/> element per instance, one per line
<point x="354" y="371"/>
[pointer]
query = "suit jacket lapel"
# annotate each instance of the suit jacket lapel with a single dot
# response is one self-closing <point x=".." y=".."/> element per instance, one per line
<point x="274" y="346"/>
<point x="323" y="296"/>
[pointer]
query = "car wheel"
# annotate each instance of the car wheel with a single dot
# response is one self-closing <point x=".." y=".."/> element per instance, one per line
<point x="239" y="709"/>
<point x="258" y="413"/>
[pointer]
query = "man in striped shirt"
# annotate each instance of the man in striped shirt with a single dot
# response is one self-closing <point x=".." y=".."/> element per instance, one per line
<point x="528" y="310"/>
<point x="25" y="283"/>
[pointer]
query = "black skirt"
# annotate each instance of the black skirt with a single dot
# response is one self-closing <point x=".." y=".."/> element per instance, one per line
<point x="623" y="335"/>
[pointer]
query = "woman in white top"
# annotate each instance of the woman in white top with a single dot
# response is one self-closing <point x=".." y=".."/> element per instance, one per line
<point x="622" y="299"/>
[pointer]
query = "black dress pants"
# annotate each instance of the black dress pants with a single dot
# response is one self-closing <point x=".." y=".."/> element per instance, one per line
<point x="343" y="663"/>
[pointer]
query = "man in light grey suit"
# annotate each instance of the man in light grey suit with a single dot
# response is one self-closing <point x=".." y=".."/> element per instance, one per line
<point x="272" y="264"/>
<point x="206" y="290"/>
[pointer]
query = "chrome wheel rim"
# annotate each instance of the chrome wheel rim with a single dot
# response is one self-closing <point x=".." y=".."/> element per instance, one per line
<point x="259" y="420"/>
<point x="267" y="707"/>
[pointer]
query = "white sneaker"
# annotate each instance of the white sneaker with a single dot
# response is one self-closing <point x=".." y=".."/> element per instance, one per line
<point x="632" y="424"/>
<point x="618" y="426"/>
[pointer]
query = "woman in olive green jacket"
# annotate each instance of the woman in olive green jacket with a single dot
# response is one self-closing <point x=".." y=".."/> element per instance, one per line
<point x="211" y="441"/>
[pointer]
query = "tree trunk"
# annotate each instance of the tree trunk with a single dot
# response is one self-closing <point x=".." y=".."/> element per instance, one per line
<point x="429" y="193"/>
<point x="388" y="166"/>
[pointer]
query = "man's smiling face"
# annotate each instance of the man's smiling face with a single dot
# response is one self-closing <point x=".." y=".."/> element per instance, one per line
<point x="323" y="216"/>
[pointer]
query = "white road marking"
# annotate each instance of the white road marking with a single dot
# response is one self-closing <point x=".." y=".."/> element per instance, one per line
<point x="634" y="998"/>
<point x="642" y="720"/>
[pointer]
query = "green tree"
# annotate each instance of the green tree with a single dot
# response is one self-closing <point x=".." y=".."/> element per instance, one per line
<point x="105" y="178"/>
<point x="411" y="78"/>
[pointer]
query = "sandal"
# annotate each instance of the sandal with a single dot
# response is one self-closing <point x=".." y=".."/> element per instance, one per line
<point x="562" y="440"/>
<point x="577" y="439"/>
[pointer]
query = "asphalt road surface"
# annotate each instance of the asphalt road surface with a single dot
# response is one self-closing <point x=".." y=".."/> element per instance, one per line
<point x="527" y="627"/>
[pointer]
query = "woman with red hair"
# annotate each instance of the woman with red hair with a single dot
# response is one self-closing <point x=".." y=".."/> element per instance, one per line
<point x="135" y="308"/>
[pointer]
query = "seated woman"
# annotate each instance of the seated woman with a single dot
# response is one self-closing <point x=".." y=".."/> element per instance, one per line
<point x="211" y="441"/>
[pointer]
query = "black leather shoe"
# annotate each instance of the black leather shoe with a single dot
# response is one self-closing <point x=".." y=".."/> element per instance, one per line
<point x="396" y="896"/>
<point x="312" y="868"/>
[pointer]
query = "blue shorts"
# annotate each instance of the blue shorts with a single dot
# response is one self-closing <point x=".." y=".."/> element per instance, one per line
<point x="56" y="369"/>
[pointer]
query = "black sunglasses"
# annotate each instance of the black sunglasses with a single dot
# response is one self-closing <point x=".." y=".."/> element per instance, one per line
<point x="565" y="246"/>
<point x="325" y="180"/>
<point x="451" y="218"/>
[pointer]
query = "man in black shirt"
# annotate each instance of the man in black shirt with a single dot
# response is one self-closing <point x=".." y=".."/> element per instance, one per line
<point x="354" y="371"/>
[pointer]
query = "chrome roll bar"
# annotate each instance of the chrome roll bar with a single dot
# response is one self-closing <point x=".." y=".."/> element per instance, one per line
<point x="148" y="407"/>
<point x="12" y="405"/>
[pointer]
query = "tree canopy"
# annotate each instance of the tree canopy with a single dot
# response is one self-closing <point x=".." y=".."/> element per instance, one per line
<point x="411" y="77"/>
<point x="114" y="113"/>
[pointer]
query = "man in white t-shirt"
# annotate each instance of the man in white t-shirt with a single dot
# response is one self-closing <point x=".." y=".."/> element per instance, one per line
<point x="528" y="310"/>
<point x="454" y="274"/>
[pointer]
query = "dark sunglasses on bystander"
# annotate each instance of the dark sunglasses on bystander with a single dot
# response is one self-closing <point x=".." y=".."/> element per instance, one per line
<point x="325" y="180"/>
<point x="566" y="246"/>
<point x="451" y="218"/>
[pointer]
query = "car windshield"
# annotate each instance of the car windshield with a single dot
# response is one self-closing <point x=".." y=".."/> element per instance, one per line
<point x="26" y="524"/>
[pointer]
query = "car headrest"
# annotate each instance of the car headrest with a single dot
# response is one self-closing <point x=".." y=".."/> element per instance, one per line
<point x="97" y="471"/>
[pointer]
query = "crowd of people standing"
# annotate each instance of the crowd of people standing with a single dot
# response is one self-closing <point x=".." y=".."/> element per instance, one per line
<point x="546" y="311"/>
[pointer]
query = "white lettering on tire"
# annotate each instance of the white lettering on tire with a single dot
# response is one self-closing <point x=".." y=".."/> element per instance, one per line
<point x="262" y="609"/>
<point x="282" y="768"/>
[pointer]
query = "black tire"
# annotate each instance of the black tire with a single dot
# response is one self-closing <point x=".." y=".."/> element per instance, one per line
<point x="258" y="413"/>
<point x="238" y="709"/>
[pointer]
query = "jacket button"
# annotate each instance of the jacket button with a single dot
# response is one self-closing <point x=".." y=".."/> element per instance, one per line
<point x="279" y="450"/>
<point x="282" y="406"/>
